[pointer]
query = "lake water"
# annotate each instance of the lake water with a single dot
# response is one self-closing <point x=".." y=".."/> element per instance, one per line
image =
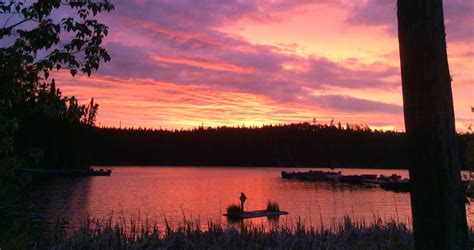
<point x="204" y="192"/>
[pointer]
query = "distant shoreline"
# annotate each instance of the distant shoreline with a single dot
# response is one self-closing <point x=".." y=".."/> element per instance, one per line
<point x="243" y="166"/>
<point x="246" y="166"/>
<point x="301" y="145"/>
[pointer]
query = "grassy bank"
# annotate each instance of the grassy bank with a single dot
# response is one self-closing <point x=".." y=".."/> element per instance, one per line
<point x="129" y="234"/>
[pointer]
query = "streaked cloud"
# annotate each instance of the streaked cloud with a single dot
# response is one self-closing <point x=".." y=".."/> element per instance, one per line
<point x="181" y="63"/>
<point x="458" y="14"/>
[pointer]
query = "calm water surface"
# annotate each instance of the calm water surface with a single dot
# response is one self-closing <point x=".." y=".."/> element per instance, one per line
<point x="204" y="193"/>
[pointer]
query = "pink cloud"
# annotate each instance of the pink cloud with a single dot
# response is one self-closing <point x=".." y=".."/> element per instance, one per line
<point x="458" y="17"/>
<point x="172" y="63"/>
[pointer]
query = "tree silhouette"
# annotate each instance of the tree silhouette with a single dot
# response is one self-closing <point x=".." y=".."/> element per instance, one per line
<point x="36" y="43"/>
<point x="439" y="216"/>
<point x="289" y="145"/>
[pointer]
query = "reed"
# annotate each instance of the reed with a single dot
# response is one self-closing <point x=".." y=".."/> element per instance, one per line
<point x="234" y="210"/>
<point x="144" y="234"/>
<point x="273" y="206"/>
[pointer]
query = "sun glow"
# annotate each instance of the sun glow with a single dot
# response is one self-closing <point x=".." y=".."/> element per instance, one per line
<point x="261" y="63"/>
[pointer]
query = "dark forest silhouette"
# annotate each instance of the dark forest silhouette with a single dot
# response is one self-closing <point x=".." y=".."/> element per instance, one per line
<point x="300" y="144"/>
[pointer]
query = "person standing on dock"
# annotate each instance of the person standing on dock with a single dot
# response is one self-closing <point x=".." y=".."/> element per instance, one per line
<point x="243" y="198"/>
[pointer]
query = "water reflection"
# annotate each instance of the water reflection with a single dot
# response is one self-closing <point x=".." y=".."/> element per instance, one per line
<point x="202" y="194"/>
<point x="60" y="200"/>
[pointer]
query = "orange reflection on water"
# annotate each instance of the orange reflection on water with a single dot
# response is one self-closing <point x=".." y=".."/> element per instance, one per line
<point x="201" y="194"/>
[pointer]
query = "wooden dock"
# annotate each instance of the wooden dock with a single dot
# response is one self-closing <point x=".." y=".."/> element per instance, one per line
<point x="257" y="213"/>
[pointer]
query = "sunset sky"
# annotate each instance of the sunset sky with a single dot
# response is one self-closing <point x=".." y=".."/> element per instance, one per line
<point x="180" y="64"/>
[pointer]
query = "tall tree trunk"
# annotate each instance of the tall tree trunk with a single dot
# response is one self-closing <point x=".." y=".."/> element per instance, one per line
<point x="439" y="213"/>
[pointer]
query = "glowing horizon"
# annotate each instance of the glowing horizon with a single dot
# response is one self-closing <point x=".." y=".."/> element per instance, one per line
<point x="181" y="64"/>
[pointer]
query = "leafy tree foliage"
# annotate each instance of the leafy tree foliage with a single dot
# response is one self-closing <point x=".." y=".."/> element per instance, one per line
<point x="35" y="42"/>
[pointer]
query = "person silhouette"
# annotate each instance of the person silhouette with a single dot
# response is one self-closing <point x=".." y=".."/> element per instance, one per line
<point x="243" y="198"/>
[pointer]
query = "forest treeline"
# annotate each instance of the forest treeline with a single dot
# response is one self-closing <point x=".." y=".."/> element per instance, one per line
<point x="301" y="144"/>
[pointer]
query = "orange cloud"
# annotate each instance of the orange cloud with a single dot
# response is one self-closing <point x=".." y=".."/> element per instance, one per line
<point x="204" y="63"/>
<point x="179" y="65"/>
<point x="147" y="103"/>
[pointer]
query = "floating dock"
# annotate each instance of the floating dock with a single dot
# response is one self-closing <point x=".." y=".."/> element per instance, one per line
<point x="393" y="182"/>
<point x="257" y="213"/>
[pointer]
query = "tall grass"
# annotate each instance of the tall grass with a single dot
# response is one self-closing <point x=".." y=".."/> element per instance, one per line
<point x="272" y="206"/>
<point x="132" y="234"/>
<point x="234" y="210"/>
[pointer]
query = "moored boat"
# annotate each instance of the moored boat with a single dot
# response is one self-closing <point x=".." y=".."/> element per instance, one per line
<point x="396" y="186"/>
<point x="311" y="175"/>
<point x="64" y="172"/>
<point x="38" y="172"/>
<point x="351" y="179"/>
<point x="90" y="172"/>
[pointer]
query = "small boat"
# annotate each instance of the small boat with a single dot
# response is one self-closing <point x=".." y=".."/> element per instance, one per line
<point x="369" y="176"/>
<point x="393" y="177"/>
<point x="311" y="175"/>
<point x="351" y="179"/>
<point x="90" y="172"/>
<point x="38" y="172"/>
<point x="396" y="186"/>
<point x="256" y="213"/>
<point x="64" y="172"/>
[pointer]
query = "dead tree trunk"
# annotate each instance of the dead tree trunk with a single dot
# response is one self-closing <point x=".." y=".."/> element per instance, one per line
<point x="439" y="213"/>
